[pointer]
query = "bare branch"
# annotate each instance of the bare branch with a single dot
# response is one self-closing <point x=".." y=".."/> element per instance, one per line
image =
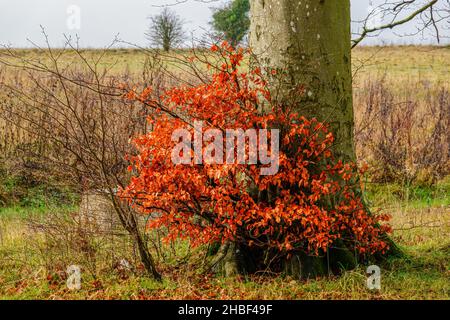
<point x="428" y="12"/>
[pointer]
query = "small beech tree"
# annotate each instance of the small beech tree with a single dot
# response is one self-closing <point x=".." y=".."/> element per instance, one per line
<point x="308" y="207"/>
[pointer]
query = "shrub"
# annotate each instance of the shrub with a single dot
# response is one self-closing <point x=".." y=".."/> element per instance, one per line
<point x="308" y="205"/>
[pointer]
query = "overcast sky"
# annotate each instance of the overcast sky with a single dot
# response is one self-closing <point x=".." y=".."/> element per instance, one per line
<point x="97" y="22"/>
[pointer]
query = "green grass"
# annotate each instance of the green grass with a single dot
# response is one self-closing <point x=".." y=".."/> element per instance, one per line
<point x="21" y="191"/>
<point x="409" y="196"/>
<point x="421" y="229"/>
<point x="22" y="213"/>
<point x="425" y="277"/>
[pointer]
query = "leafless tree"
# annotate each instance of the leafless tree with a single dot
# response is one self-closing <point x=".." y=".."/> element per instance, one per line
<point x="166" y="30"/>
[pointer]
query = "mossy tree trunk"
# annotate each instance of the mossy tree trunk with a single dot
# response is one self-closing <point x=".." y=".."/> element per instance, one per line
<point x="309" y="41"/>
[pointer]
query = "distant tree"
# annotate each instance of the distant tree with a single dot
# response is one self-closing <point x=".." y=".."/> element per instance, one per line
<point x="166" y="30"/>
<point x="232" y="21"/>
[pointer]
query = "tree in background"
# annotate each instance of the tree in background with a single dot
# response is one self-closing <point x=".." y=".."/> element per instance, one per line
<point x="232" y="21"/>
<point x="166" y="30"/>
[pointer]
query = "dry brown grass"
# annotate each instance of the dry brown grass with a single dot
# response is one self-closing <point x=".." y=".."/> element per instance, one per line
<point x="401" y="100"/>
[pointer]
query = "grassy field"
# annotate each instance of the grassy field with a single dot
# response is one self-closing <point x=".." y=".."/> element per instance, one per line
<point x="424" y="63"/>
<point x="421" y="228"/>
<point x="399" y="63"/>
<point x="35" y="249"/>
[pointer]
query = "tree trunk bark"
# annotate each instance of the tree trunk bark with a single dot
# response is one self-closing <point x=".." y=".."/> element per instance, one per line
<point x="233" y="259"/>
<point x="310" y="41"/>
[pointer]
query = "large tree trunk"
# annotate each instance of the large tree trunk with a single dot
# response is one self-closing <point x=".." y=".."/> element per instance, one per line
<point x="310" y="41"/>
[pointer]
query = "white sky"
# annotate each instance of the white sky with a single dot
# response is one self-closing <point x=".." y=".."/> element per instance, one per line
<point x="101" y="20"/>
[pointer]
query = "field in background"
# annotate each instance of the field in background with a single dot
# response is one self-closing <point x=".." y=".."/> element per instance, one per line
<point x="419" y="62"/>
<point x="401" y="97"/>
